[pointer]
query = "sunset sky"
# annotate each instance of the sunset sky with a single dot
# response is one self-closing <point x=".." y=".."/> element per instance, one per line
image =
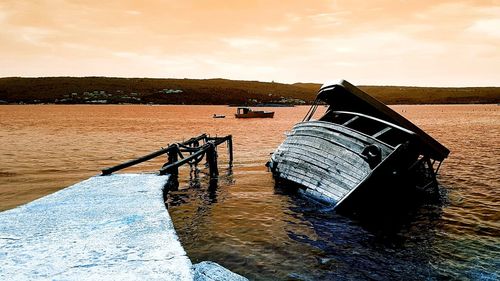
<point x="377" y="42"/>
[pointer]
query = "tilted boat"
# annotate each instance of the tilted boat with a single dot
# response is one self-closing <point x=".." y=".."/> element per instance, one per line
<point x="355" y="150"/>
<point x="246" y="112"/>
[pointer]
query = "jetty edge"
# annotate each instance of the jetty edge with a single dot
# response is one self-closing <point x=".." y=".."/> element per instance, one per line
<point x="359" y="154"/>
<point x="112" y="227"/>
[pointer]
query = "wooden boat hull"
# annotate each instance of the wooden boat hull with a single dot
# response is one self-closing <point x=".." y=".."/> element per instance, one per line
<point x="358" y="153"/>
<point x="254" y="114"/>
<point x="327" y="160"/>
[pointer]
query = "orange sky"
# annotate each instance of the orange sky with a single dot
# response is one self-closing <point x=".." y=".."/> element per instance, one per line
<point x="379" y="42"/>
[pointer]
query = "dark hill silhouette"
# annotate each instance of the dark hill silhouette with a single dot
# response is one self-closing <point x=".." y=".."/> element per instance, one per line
<point x="73" y="90"/>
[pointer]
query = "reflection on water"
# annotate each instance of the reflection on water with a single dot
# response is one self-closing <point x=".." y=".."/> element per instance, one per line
<point x="285" y="236"/>
<point x="248" y="225"/>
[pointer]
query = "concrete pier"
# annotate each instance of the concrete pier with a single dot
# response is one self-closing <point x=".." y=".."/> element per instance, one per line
<point x="105" y="228"/>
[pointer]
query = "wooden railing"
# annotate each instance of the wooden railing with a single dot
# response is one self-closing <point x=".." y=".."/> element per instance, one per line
<point x="194" y="151"/>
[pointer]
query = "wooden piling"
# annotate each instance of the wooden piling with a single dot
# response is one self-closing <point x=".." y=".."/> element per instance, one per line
<point x="230" y="150"/>
<point x="164" y="170"/>
<point x="172" y="158"/>
<point x="212" y="160"/>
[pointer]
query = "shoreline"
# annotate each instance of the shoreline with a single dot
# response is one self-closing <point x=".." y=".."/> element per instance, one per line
<point x="225" y="105"/>
<point x="106" y="90"/>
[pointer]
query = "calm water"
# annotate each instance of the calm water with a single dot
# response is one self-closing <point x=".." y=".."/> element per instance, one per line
<point x="249" y="226"/>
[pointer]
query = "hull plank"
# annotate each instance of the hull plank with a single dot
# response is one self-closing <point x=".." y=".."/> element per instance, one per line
<point x="315" y="179"/>
<point x="329" y="170"/>
<point x="335" y="164"/>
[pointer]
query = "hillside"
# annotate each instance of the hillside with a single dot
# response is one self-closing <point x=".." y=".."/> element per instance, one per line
<point x="72" y="90"/>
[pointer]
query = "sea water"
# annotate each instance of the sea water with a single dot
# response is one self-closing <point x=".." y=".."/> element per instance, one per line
<point x="253" y="228"/>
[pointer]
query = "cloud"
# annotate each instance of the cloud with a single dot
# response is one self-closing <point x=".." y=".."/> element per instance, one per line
<point x="3" y="15"/>
<point x="280" y="28"/>
<point x="379" y="41"/>
<point x="487" y="27"/>
<point x="247" y="43"/>
<point x="34" y="35"/>
<point x="133" y="13"/>
<point x="329" y="19"/>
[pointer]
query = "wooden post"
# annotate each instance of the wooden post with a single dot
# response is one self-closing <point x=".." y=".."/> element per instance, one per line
<point x="230" y="150"/>
<point x="172" y="158"/>
<point x="212" y="190"/>
<point x="212" y="160"/>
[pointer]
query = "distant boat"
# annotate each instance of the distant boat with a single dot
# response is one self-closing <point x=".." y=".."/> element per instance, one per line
<point x="219" y="116"/>
<point x="246" y="112"/>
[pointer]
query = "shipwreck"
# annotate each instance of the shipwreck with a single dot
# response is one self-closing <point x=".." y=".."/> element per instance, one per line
<point x="359" y="152"/>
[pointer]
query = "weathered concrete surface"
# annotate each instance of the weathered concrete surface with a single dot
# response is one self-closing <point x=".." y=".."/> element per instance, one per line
<point x="211" y="271"/>
<point x="104" y="228"/>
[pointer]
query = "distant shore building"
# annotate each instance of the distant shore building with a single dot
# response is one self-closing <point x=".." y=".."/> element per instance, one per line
<point x="171" y="91"/>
